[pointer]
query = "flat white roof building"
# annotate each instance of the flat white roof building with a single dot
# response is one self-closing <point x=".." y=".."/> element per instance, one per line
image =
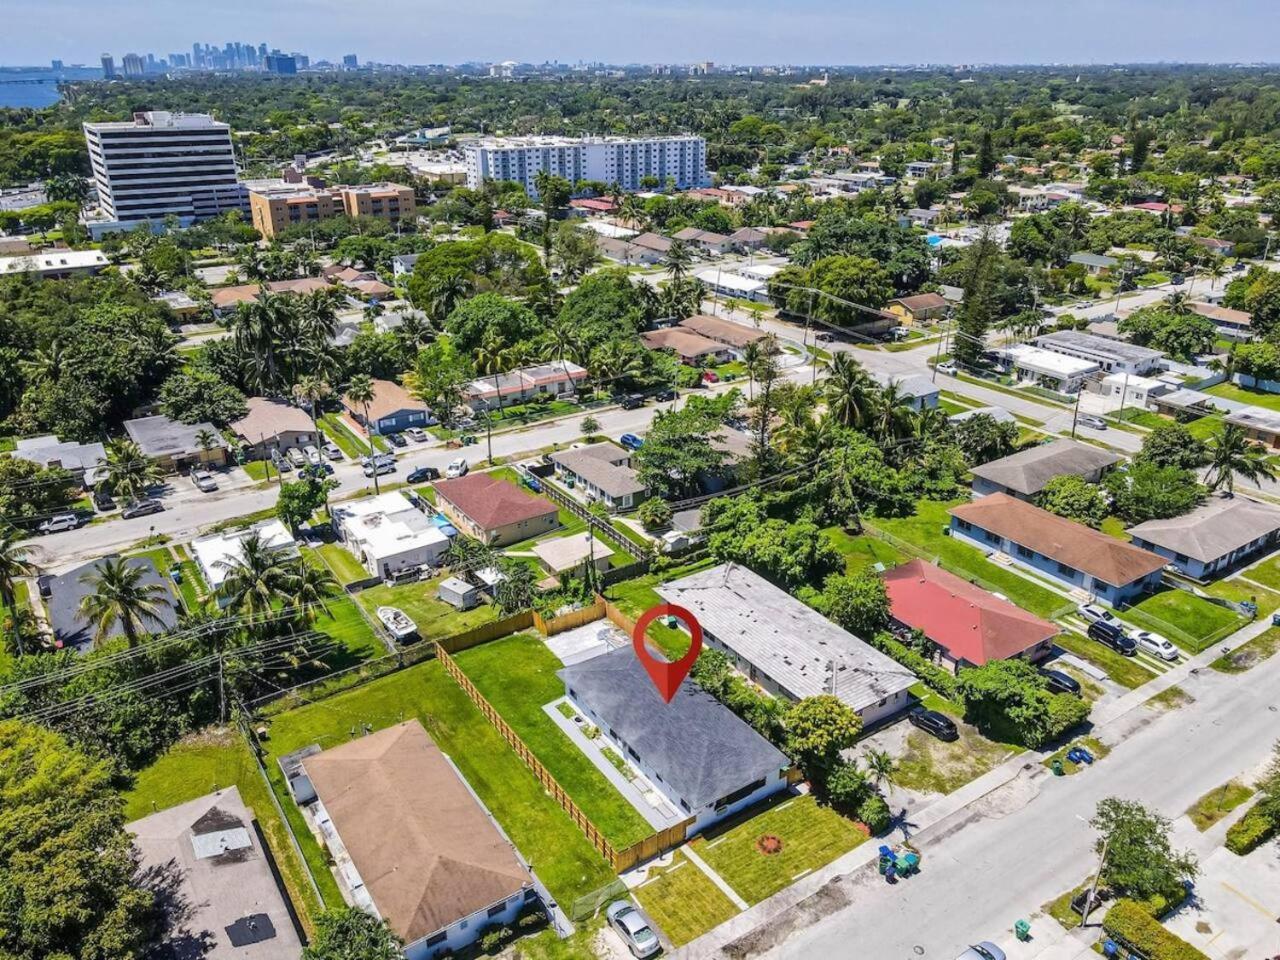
<point x="219" y="553"/>
<point x="621" y="160"/>
<point x="55" y="264"/>
<point x="163" y="163"/>
<point x="732" y="284"/>
<point x="387" y="534"/>
<point x="1034" y="363"/>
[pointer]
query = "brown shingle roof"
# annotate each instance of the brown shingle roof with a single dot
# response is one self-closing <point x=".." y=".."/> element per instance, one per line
<point x="230" y="296"/>
<point x="686" y="344"/>
<point x="923" y="301"/>
<point x="388" y="398"/>
<point x="1105" y="558"/>
<point x="268" y="419"/>
<point x="426" y="850"/>
<point x="492" y="502"/>
<point x="725" y="331"/>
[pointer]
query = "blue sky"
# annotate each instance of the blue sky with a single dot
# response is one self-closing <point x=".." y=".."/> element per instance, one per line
<point x="623" y="31"/>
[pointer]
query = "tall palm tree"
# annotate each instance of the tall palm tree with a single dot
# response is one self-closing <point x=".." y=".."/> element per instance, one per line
<point x="361" y="391"/>
<point x="679" y="260"/>
<point x="45" y="364"/>
<point x="121" y="598"/>
<point x="1231" y="452"/>
<point x="1179" y="304"/>
<point x="260" y="327"/>
<point x="890" y="417"/>
<point x="443" y="292"/>
<point x="206" y="440"/>
<point x="15" y="563"/>
<point x="312" y="390"/>
<point x="312" y="589"/>
<point x="129" y="472"/>
<point x="631" y="213"/>
<point x="258" y="579"/>
<point x="848" y="391"/>
<point x="517" y="588"/>
<point x="563" y="341"/>
<point x="493" y="357"/>
<point x="751" y="355"/>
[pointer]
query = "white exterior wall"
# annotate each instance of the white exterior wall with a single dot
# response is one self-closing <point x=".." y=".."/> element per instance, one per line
<point x="465" y="931"/>
<point x="621" y="161"/>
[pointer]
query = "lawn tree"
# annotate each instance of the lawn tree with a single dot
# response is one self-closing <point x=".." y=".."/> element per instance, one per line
<point x="654" y="513"/>
<point x="1146" y="491"/>
<point x="978" y="312"/>
<point x="1140" y="859"/>
<point x="1009" y="700"/>
<point x="517" y="589"/>
<point x="299" y="500"/>
<point x="15" y="564"/>
<point x="29" y="491"/>
<point x="199" y="395"/>
<point x="1173" y="445"/>
<point x="574" y="251"/>
<point x="818" y="729"/>
<point x="982" y="438"/>
<point x="1075" y="498"/>
<point x="857" y="602"/>
<point x="589" y="427"/>
<point x="67" y="865"/>
<point x="349" y="933"/>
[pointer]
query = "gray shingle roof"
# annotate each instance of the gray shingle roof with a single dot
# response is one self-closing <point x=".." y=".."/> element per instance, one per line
<point x="1211" y="530"/>
<point x="1027" y="471"/>
<point x="158" y="436"/>
<point x="66" y="591"/>
<point x="786" y="640"/>
<point x="697" y="745"/>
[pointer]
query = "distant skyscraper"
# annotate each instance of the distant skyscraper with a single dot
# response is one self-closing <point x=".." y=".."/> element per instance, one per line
<point x="262" y="49"/>
<point x="108" y="67"/>
<point x="350" y="61"/>
<point x="133" y="65"/>
<point x="56" y="65"/>
<point x="278" y="63"/>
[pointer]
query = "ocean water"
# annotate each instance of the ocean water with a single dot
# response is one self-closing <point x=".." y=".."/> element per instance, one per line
<point x="38" y="88"/>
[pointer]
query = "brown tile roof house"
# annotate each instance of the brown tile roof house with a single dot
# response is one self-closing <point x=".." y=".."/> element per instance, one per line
<point x="370" y="288"/>
<point x="685" y="344"/>
<point x="225" y="297"/>
<point x="426" y="850"/>
<point x="725" y="331"/>
<point x="270" y="420"/>
<point x="1223" y="315"/>
<point x="495" y="510"/>
<point x="390" y="400"/>
<point x="922" y="303"/>
<point x="1082" y="548"/>
<point x="652" y="241"/>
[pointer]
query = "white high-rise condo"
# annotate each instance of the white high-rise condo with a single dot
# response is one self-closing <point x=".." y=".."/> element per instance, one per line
<point x="625" y="161"/>
<point x="161" y="164"/>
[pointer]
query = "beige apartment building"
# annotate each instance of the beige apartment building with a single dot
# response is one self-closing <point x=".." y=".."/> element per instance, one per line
<point x="276" y="208"/>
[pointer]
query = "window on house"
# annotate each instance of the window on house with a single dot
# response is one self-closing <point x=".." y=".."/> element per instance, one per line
<point x="991" y="537"/>
<point x="1025" y="552"/>
<point x="964" y="525"/>
<point x="740" y="794"/>
<point x="436" y="938"/>
<point x="1065" y="570"/>
<point x="496" y="909"/>
<point x="634" y="756"/>
<point x="530" y="894"/>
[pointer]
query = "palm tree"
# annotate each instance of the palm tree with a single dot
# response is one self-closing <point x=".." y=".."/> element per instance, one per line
<point x="517" y="588"/>
<point x="1232" y="452"/>
<point x="848" y="390"/>
<point x="751" y="355"/>
<point x="259" y="328"/>
<point x="120" y="597"/>
<point x="258" y="579"/>
<point x="206" y="440"/>
<point x="679" y="260"/>
<point x="890" y="417"/>
<point x="311" y="390"/>
<point x="881" y="767"/>
<point x="631" y="213"/>
<point x="443" y="292"/>
<point x="495" y="358"/>
<point x="45" y="364"/>
<point x="360" y="390"/>
<point x="129" y="472"/>
<point x="15" y="563"/>
<point x="1179" y="304"/>
<point x="312" y="589"/>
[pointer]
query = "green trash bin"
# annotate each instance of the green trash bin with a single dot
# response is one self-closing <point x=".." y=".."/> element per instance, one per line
<point x="1022" y="930"/>
<point x="1056" y="766"/>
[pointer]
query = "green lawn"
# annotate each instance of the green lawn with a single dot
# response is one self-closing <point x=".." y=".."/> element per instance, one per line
<point x="1217" y="803"/>
<point x="213" y="761"/>
<point x="683" y="901"/>
<point x="1114" y="527"/>
<point x="345" y="567"/>
<point x="1255" y="398"/>
<point x="1123" y="670"/>
<point x="924" y="531"/>
<point x="1191" y="622"/>
<point x="344" y="623"/>
<point x="352" y="447"/>
<point x="1268" y="601"/>
<point x="812" y="836"/>
<point x="435" y="618"/>
<point x="259" y="470"/>
<point x="930" y="765"/>
<point x="861" y="552"/>
<point x="543" y="833"/>
<point x="518" y="676"/>
<point x="193" y="589"/>
<point x="1205" y="427"/>
<point x="1250" y="653"/>
<point x="1069" y="767"/>
<point x="634" y="597"/>
<point x="1266" y="573"/>
<point x="1140" y="417"/>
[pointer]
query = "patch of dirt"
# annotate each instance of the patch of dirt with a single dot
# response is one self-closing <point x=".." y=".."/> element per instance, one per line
<point x="769" y="844"/>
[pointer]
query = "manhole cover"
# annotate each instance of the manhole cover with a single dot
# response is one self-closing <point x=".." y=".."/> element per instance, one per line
<point x="769" y="844"/>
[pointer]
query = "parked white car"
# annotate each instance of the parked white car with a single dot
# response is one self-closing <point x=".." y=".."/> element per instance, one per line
<point x="417" y="434"/>
<point x="949" y="368"/>
<point x="1093" y="613"/>
<point x="456" y="469"/>
<point x="312" y="454"/>
<point x="60" y="522"/>
<point x="631" y="926"/>
<point x="332" y="451"/>
<point x="1155" y="645"/>
<point x="204" y="480"/>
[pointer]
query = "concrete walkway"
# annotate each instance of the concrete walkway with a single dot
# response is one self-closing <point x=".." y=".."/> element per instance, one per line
<point x="715" y="878"/>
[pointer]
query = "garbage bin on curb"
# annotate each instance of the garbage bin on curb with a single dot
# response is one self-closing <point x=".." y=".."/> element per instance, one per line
<point x="1056" y="767"/>
<point x="1022" y="930"/>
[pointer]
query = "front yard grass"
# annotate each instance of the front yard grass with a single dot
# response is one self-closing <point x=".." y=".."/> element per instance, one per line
<point x="1217" y="803"/>
<point x="1266" y="572"/>
<point x="930" y="765"/>
<point x="812" y="836"/>
<point x="924" y="531"/>
<point x="1268" y="601"/>
<point x="634" y="597"/>
<point x="543" y="833"/>
<point x="1250" y="653"/>
<point x="861" y="552"/>
<point x="435" y="618"/>
<point x="683" y="901"/>
<point x="215" y="760"/>
<point x="517" y="675"/>
<point x="344" y="623"/>
<point x="352" y="447"/>
<point x="1191" y="622"/>
<point x="346" y="568"/>
<point x="1125" y="671"/>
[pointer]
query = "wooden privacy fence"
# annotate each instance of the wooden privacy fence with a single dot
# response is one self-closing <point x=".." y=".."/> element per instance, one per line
<point x="486" y="632"/>
<point x="550" y="626"/>
<point x="620" y="860"/>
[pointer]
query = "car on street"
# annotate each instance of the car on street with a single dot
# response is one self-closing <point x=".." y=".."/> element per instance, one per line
<point x="297" y="457"/>
<point x="1155" y="645"/>
<point x="204" y="480"/>
<point x="1113" y="636"/>
<point x="949" y="368"/>
<point x="1092" y="613"/>
<point x="380" y="467"/>
<point x="662" y="396"/>
<point x="631" y="441"/>
<point x="456" y="469"/>
<point x="1060" y="682"/>
<point x="332" y="450"/>
<point x="631" y="926"/>
<point x="59" y="522"/>
<point x="986" y="950"/>
<point x="396" y="440"/>
<point x="1178" y="279"/>
<point x="423" y="474"/>
<point x="630" y="401"/>
<point x="1089" y="420"/>
<point x="141" y="508"/>
<point x="935" y="723"/>
<point x="824" y="337"/>
<point x="312" y="453"/>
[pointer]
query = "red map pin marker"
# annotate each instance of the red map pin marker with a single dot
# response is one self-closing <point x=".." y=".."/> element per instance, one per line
<point x="667" y="675"/>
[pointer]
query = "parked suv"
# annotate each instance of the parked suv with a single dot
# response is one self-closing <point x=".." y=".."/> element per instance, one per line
<point x="60" y="522"/>
<point x="1060" y="682"/>
<point x="1113" y="637"/>
<point x="931" y="721"/>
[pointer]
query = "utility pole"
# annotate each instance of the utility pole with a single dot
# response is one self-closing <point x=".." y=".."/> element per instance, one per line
<point x="1093" y="887"/>
<point x="1075" y="413"/>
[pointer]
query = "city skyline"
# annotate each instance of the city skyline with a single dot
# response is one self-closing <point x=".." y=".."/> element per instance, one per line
<point x="746" y="32"/>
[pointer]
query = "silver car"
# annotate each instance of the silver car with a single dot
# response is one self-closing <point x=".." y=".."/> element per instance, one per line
<point x="1155" y="645"/>
<point x="986" y="950"/>
<point x="204" y="481"/>
<point x="635" y="932"/>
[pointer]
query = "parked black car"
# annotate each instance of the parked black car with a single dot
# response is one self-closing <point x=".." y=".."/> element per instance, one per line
<point x="1060" y="682"/>
<point x="662" y="396"/>
<point x="938" y="724"/>
<point x="396" y="440"/>
<point x="1113" y="637"/>
<point x="142" y="508"/>
<point x="630" y="401"/>
<point x="102" y="501"/>
<point x="423" y="474"/>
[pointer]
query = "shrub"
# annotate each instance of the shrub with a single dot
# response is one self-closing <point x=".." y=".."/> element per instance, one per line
<point x="531" y="917"/>
<point x="654" y="513"/>
<point x="1250" y="832"/>
<point x="874" y="812"/>
<point x="493" y="939"/>
<point x="934" y="677"/>
<point x="847" y="787"/>
<point x="1131" y="923"/>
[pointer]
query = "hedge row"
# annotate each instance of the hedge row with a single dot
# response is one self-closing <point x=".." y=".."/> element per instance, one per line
<point x="941" y="681"/>
<point x="1250" y="832"/>
<point x="1132" y="925"/>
